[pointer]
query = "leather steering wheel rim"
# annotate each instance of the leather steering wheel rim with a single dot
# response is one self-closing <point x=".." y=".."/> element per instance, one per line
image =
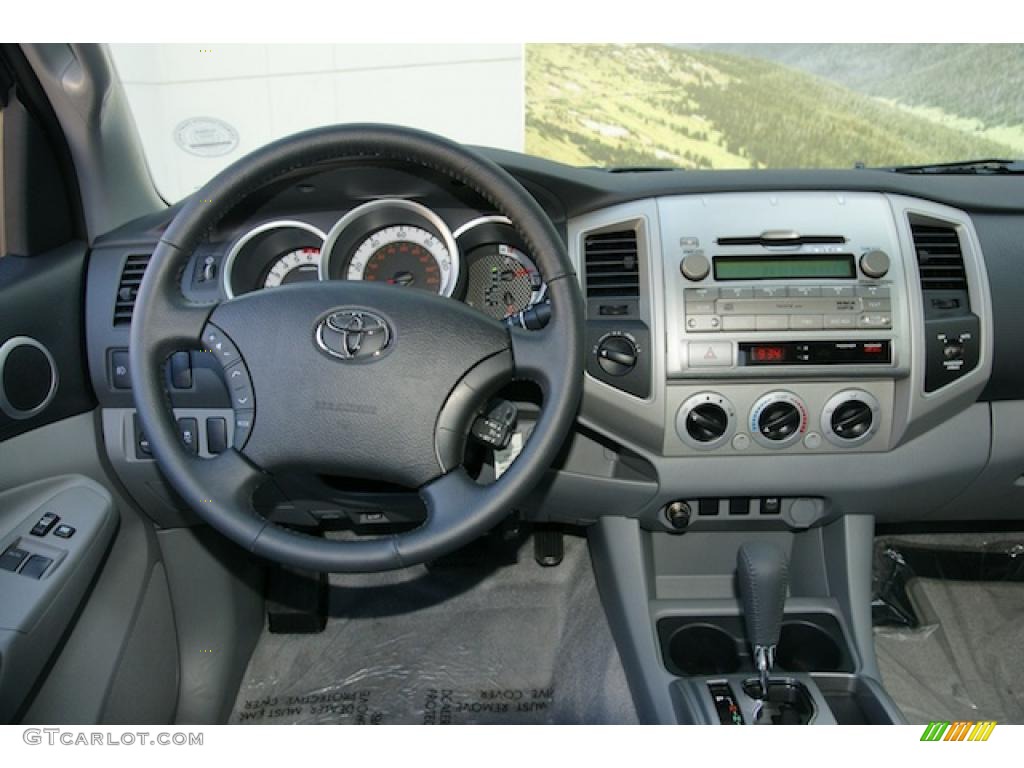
<point x="220" y="489"/>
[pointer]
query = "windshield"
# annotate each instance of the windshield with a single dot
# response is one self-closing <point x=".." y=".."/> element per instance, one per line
<point x="611" y="106"/>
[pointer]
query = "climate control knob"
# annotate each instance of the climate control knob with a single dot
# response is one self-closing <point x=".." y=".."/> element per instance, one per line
<point x="850" y="417"/>
<point x="617" y="355"/>
<point x="706" y="421"/>
<point x="778" y="419"/>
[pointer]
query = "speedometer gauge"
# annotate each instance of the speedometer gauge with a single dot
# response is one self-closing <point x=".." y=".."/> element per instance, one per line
<point x="296" y="266"/>
<point x="405" y="256"/>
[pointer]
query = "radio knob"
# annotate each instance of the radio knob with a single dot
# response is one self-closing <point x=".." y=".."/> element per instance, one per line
<point x="779" y="421"/>
<point x="617" y="355"/>
<point x="875" y="263"/>
<point x="695" y="266"/>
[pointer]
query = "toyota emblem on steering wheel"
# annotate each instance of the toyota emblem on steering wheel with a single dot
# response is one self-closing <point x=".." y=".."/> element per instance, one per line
<point x="351" y="334"/>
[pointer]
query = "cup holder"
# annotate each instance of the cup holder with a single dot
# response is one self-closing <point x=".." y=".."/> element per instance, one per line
<point x="704" y="649"/>
<point x="807" y="647"/>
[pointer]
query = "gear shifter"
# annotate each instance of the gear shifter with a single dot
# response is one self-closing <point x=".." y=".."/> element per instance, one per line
<point x="762" y="575"/>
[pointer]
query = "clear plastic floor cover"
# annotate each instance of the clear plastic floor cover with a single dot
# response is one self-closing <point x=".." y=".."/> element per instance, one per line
<point x="517" y="644"/>
<point x="964" y="659"/>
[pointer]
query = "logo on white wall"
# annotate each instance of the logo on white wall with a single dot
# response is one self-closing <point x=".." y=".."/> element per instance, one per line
<point x="206" y="136"/>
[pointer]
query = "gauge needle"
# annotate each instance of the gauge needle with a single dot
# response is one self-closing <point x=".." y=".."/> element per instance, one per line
<point x="402" y="278"/>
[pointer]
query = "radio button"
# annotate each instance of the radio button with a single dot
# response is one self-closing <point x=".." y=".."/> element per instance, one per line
<point x="700" y="307"/>
<point x="716" y="354"/>
<point x="873" y="291"/>
<point x="805" y="291"/>
<point x="878" y="320"/>
<point x="739" y="323"/>
<point x="773" y="322"/>
<point x="736" y="292"/>
<point x="704" y="323"/>
<point x="769" y="291"/>
<point x="701" y="294"/>
<point x="837" y="291"/>
<point x="806" y="322"/>
<point x="840" y="321"/>
<point x="876" y="305"/>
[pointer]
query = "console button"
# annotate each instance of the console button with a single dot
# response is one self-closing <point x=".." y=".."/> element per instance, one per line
<point x="806" y="322"/>
<point x="739" y="323"/>
<point x="12" y="558"/>
<point x="769" y="291"/>
<point x="216" y="435"/>
<point x="772" y="322"/>
<point x="736" y="292"/>
<point x="805" y="291"/>
<point x="701" y="294"/>
<point x="876" y="305"/>
<point x="771" y="505"/>
<point x="188" y="432"/>
<point x="704" y="323"/>
<point x="837" y="291"/>
<point x="63" y="531"/>
<point x="120" y="374"/>
<point x="142" y="449"/>
<point x="875" y="320"/>
<point x="739" y="505"/>
<point x="45" y="523"/>
<point x="707" y="507"/>
<point x="873" y="291"/>
<point x="700" y="307"/>
<point x="36" y="566"/>
<point x="715" y="354"/>
<point x="840" y="321"/>
<point x="181" y="370"/>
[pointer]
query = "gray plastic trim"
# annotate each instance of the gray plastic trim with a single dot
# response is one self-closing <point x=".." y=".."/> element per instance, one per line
<point x="5" y="351"/>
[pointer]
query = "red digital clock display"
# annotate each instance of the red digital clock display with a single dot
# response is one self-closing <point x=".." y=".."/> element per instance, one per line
<point x="766" y="353"/>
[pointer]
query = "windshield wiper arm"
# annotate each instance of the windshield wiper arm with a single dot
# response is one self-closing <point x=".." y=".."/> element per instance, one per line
<point x="984" y="166"/>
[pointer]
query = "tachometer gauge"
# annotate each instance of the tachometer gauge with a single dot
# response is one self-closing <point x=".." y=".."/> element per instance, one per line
<point x="404" y="256"/>
<point x="502" y="280"/>
<point x="296" y="266"/>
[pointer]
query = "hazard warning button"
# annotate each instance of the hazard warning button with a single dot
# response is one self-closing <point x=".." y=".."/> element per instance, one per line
<point x="710" y="354"/>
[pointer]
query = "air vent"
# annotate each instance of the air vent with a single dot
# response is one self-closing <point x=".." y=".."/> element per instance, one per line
<point x="128" y="288"/>
<point x="939" y="257"/>
<point x="612" y="266"/>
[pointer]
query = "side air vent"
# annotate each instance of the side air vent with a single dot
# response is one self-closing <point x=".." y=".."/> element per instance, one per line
<point x="940" y="259"/>
<point x="612" y="267"/>
<point x="128" y="288"/>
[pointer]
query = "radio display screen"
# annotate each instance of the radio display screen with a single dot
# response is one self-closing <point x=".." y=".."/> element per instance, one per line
<point x="837" y="267"/>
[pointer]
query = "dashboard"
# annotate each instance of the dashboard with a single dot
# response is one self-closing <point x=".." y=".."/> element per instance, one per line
<point x="764" y="349"/>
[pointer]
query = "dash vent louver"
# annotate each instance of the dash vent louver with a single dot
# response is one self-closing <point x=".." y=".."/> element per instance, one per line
<point x="612" y="268"/>
<point x="128" y="287"/>
<point x="940" y="258"/>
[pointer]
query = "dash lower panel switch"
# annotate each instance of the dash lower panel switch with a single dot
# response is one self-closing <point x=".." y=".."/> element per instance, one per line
<point x="12" y="559"/>
<point x="45" y="524"/>
<point x="36" y="566"/>
<point x="189" y="431"/>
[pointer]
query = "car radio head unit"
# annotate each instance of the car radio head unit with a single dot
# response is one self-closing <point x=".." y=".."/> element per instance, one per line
<point x="770" y="267"/>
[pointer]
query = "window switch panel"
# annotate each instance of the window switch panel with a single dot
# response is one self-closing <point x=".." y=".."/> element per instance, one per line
<point x="12" y="559"/>
<point x="46" y="522"/>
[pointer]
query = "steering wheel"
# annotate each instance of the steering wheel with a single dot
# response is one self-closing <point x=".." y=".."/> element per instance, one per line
<point x="355" y="379"/>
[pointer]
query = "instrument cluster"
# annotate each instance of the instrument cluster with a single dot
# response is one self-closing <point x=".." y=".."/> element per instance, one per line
<point x="398" y="242"/>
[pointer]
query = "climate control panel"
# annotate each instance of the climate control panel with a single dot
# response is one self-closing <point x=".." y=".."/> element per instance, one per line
<point x="746" y="419"/>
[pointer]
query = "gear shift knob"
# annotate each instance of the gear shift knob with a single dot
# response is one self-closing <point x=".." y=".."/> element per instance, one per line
<point x="762" y="576"/>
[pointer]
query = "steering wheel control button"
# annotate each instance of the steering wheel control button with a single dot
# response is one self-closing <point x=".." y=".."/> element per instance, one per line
<point x="851" y="417"/>
<point x="36" y="566"/>
<point x="243" y="426"/>
<point x="778" y="420"/>
<point x="45" y="524"/>
<point x="706" y="421"/>
<point x="216" y="435"/>
<point x="217" y="343"/>
<point x="12" y="559"/>
<point x="188" y="430"/>
<point x="63" y="531"/>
